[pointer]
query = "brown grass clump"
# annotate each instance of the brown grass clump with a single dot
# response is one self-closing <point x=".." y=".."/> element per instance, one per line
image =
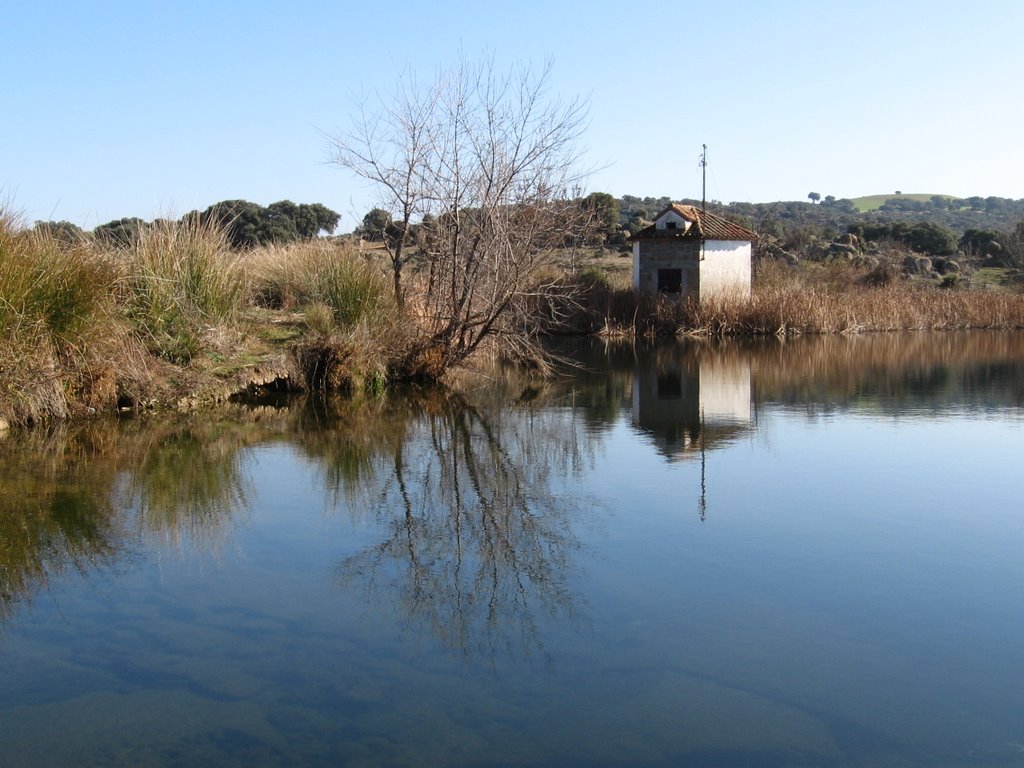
<point x="333" y="275"/>
<point x="182" y="283"/>
<point x="354" y="331"/>
<point x="344" y="363"/>
<point x="62" y="337"/>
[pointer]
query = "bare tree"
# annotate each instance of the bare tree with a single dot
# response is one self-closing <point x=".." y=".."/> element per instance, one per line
<point x="391" y="148"/>
<point x="491" y="162"/>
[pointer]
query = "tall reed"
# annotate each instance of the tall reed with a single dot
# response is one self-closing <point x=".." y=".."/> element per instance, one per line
<point x="182" y="280"/>
<point x="354" y="289"/>
<point x="61" y="336"/>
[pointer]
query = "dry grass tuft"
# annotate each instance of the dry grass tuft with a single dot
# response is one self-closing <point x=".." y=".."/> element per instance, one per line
<point x="181" y="281"/>
<point x="62" y="336"/>
<point x="322" y="273"/>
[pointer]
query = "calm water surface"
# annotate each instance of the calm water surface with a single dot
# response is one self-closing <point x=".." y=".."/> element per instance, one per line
<point x="807" y="553"/>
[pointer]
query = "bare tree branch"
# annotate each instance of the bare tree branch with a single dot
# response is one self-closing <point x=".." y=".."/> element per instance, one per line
<point x="491" y="161"/>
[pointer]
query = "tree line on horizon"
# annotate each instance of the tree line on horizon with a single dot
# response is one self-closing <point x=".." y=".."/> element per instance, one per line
<point x="246" y="224"/>
<point x="940" y="225"/>
<point x="630" y="213"/>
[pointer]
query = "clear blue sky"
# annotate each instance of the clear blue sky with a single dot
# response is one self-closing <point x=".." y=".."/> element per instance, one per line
<point x="145" y="109"/>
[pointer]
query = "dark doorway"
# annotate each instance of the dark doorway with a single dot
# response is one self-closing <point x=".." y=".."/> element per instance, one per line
<point x="670" y="281"/>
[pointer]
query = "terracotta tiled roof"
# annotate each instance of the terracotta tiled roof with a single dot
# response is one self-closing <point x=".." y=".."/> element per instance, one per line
<point x="708" y="225"/>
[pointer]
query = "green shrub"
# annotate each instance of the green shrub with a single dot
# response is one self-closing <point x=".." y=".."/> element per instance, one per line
<point x="594" y="276"/>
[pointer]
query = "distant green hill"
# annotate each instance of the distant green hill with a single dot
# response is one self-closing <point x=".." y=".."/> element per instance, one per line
<point x="871" y="202"/>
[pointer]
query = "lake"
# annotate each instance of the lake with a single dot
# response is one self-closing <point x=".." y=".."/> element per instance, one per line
<point x="806" y="552"/>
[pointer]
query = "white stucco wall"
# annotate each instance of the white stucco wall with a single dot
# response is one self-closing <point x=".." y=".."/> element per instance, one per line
<point x="636" y="266"/>
<point x="725" y="269"/>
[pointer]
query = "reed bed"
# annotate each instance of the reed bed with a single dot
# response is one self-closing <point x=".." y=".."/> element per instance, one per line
<point x="834" y="301"/>
<point x="353" y="330"/>
<point x="61" y="334"/>
<point x="182" y="283"/>
<point x="787" y="311"/>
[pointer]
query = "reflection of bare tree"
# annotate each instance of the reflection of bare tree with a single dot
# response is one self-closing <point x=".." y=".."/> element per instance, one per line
<point x="479" y="545"/>
<point x="346" y="439"/>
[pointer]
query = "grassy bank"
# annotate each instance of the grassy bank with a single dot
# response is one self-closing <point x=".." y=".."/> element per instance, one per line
<point x="65" y="347"/>
<point x="179" y="319"/>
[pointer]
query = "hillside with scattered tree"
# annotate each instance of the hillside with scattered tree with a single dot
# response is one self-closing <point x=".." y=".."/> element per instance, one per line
<point x="946" y="232"/>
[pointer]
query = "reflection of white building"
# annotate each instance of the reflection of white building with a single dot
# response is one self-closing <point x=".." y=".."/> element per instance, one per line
<point x="725" y="391"/>
<point x="688" y="402"/>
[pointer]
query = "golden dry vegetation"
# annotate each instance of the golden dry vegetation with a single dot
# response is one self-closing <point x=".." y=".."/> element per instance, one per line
<point x="179" y="319"/>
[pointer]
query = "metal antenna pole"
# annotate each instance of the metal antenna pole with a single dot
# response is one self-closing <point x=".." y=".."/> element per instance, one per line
<point x="704" y="178"/>
<point x="703" y="194"/>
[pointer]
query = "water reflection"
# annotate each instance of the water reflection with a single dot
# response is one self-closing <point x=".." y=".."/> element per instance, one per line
<point x="664" y="386"/>
<point x="692" y="398"/>
<point x="186" y="480"/>
<point x="892" y="373"/>
<point x="355" y="555"/>
<point x="479" y="534"/>
<point x="477" y="542"/>
<point x="478" y="539"/>
<point x="79" y="497"/>
<point x="55" y="510"/>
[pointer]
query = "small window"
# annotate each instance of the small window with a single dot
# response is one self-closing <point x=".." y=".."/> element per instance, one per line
<point x="670" y="281"/>
<point x="671" y="224"/>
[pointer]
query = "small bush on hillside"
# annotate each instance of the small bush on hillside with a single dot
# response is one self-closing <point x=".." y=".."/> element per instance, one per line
<point x="884" y="273"/>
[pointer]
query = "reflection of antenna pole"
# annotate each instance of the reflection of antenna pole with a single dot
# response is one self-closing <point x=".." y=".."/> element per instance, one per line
<point x="703" y="467"/>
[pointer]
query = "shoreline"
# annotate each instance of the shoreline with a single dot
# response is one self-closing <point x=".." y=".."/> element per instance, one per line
<point x="180" y="321"/>
<point x="195" y="388"/>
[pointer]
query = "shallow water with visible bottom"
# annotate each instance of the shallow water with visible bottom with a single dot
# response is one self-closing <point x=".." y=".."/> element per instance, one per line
<point x="802" y="553"/>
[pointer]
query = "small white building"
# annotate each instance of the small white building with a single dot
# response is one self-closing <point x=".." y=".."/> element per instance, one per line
<point x="690" y="253"/>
